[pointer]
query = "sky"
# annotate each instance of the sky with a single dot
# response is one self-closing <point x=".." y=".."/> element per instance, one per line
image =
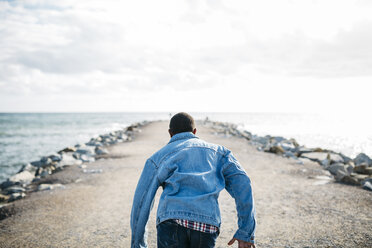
<point x="193" y="55"/>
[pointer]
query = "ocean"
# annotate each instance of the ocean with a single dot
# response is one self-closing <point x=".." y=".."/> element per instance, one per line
<point x="25" y="137"/>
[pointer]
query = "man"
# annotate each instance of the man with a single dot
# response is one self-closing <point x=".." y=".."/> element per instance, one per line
<point x="192" y="173"/>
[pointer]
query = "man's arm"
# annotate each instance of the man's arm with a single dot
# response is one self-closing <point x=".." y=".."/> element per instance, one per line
<point x="238" y="184"/>
<point x="142" y="204"/>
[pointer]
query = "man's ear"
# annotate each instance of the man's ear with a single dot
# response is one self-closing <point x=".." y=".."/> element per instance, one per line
<point x="194" y="131"/>
<point x="170" y="133"/>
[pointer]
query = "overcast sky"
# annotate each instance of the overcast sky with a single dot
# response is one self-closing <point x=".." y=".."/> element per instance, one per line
<point x="228" y="56"/>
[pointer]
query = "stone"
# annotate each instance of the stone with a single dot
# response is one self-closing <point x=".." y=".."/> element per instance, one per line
<point x="101" y="151"/>
<point x="345" y="178"/>
<point x="45" y="161"/>
<point x="289" y="154"/>
<point x="276" y="149"/>
<point x="16" y="196"/>
<point x="14" y="189"/>
<point x="67" y="149"/>
<point x="86" y="158"/>
<point x="4" y="198"/>
<point x="320" y="156"/>
<point x="68" y="160"/>
<point x="362" y="158"/>
<point x="24" y="177"/>
<point x="45" y="173"/>
<point x="46" y="186"/>
<point x="55" y="157"/>
<point x="367" y="186"/>
<point x="37" y="163"/>
<point x="28" y="167"/>
<point x="334" y="168"/>
<point x="92" y="171"/>
<point x="363" y="169"/>
<point x="6" y="184"/>
<point x="88" y="150"/>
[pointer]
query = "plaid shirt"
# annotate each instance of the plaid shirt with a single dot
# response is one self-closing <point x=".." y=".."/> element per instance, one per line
<point x="197" y="226"/>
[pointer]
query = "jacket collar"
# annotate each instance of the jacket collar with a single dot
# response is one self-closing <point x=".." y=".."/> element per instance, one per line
<point x="184" y="135"/>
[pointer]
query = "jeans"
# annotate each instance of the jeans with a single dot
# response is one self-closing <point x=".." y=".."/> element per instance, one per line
<point x="172" y="235"/>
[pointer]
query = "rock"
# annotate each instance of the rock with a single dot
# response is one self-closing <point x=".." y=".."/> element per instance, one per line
<point x="16" y="196"/>
<point x="24" y="177"/>
<point x="334" y="168"/>
<point x="368" y="171"/>
<point x="345" y="158"/>
<point x="68" y="160"/>
<point x="86" y="158"/>
<point x="350" y="180"/>
<point x="359" y="177"/>
<point x="88" y="150"/>
<point x="276" y="149"/>
<point x="320" y="156"/>
<point x="6" y="184"/>
<point x="45" y="161"/>
<point x="28" y="167"/>
<point x="287" y="146"/>
<point x="45" y="186"/>
<point x="361" y="168"/>
<point x="93" y="171"/>
<point x="4" y="198"/>
<point x="55" y="157"/>
<point x="367" y="186"/>
<point x="14" y="189"/>
<point x="289" y="154"/>
<point x="362" y="158"/>
<point x="101" y="151"/>
<point x="37" y="163"/>
<point x="45" y="173"/>
<point x="67" y="149"/>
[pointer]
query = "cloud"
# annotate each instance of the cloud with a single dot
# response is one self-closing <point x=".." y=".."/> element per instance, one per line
<point x="118" y="48"/>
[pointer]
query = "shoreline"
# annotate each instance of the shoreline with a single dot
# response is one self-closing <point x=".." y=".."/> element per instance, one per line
<point x="33" y="176"/>
<point x="28" y="179"/>
<point x="93" y="210"/>
<point x="343" y="169"/>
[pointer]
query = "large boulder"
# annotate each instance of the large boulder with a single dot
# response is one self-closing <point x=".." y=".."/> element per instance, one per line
<point x="45" y="186"/>
<point x="346" y="178"/>
<point x="24" y="177"/>
<point x="321" y="156"/>
<point x="16" y="196"/>
<point x="68" y="160"/>
<point x="367" y="185"/>
<point x="335" y="168"/>
<point x="4" y="198"/>
<point x="28" y="167"/>
<point x="101" y="151"/>
<point x="363" y="169"/>
<point x="362" y="158"/>
<point x="14" y="189"/>
<point x="87" y="150"/>
<point x="67" y="149"/>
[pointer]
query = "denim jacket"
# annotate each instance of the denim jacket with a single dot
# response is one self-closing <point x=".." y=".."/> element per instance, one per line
<point x="192" y="173"/>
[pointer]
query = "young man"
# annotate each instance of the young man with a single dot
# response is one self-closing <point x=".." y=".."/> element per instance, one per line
<point x="192" y="173"/>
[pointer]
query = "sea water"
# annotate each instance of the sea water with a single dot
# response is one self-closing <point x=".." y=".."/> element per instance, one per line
<point x="27" y="137"/>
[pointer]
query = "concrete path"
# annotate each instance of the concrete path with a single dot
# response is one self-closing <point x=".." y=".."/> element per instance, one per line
<point x="293" y="208"/>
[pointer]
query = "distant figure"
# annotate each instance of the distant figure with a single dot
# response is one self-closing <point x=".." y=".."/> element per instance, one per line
<point x="192" y="173"/>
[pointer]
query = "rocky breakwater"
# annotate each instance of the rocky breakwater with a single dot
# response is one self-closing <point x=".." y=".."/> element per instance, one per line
<point x="353" y="171"/>
<point x="28" y="179"/>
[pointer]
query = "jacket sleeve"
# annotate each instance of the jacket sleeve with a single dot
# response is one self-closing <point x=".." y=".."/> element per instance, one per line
<point x="142" y="204"/>
<point x="238" y="184"/>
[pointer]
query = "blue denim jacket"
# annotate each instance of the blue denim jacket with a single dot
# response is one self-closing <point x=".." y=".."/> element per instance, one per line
<point x="192" y="173"/>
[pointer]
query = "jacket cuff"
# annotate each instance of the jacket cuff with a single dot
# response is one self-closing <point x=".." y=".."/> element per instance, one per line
<point x="241" y="235"/>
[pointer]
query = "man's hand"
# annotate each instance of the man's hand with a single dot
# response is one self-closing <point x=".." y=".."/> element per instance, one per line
<point x="242" y="243"/>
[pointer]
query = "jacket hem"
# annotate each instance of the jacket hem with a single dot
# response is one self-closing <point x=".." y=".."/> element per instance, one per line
<point x="185" y="215"/>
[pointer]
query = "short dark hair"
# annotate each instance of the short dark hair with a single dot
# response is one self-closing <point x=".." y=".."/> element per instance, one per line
<point x="181" y="122"/>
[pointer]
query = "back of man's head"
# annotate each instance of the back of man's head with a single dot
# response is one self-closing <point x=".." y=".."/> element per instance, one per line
<point x="181" y="122"/>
